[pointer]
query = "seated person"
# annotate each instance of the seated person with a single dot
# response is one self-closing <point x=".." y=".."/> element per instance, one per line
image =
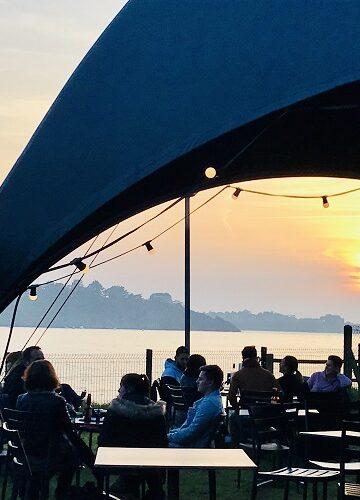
<point x="49" y="439"/>
<point x="329" y="380"/>
<point x="13" y="382"/>
<point x="189" y="379"/>
<point x="291" y="383"/>
<point x="251" y="377"/>
<point x="174" y="368"/>
<point x="133" y="420"/>
<point x="203" y="416"/>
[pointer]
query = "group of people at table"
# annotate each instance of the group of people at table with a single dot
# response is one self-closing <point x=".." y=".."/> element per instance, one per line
<point x="135" y="420"/>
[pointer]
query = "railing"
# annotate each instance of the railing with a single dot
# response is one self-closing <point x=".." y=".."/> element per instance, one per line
<point x="100" y="374"/>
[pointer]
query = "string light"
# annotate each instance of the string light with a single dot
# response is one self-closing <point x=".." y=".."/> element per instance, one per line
<point x="149" y="247"/>
<point x="236" y="193"/>
<point x="210" y="172"/>
<point x="83" y="268"/>
<point x="32" y="293"/>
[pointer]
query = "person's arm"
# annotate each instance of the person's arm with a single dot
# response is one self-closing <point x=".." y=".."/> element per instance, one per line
<point x="344" y="381"/>
<point x="311" y="381"/>
<point x="233" y="391"/>
<point x="203" y="418"/>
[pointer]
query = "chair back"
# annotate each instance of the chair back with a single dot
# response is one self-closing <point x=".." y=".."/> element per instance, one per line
<point x="15" y="450"/>
<point x="331" y="407"/>
<point x="270" y="424"/>
<point x="350" y="448"/>
<point x="252" y="398"/>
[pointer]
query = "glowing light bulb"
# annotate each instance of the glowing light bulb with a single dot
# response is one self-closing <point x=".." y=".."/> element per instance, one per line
<point x="210" y="172"/>
<point x="149" y="247"/>
<point x="236" y="193"/>
<point x="325" y="202"/>
<point x="33" y="294"/>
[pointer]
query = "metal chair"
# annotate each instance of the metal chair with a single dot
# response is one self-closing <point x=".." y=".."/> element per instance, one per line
<point x="16" y="462"/>
<point x="273" y="431"/>
<point x="349" y="459"/>
<point x="176" y="406"/>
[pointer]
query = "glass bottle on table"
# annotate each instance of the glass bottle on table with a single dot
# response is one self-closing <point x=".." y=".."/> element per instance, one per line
<point x="88" y="409"/>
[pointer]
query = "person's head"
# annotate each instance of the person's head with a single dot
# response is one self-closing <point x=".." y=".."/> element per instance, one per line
<point x="210" y="378"/>
<point x="333" y="365"/>
<point x="32" y="353"/>
<point x="194" y="363"/>
<point x="41" y="376"/>
<point x="249" y="352"/>
<point x="181" y="357"/>
<point x="289" y="364"/>
<point x="12" y="359"/>
<point x="134" y="384"/>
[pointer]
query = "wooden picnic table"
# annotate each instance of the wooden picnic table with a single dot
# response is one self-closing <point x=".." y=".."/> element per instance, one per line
<point x="172" y="459"/>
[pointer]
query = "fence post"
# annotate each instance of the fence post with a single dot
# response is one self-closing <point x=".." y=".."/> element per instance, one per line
<point x="347" y="351"/>
<point x="358" y="360"/>
<point x="270" y="362"/>
<point x="149" y="357"/>
<point x="263" y="357"/>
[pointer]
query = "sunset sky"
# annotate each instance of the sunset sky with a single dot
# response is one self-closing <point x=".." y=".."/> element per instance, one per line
<point x="256" y="253"/>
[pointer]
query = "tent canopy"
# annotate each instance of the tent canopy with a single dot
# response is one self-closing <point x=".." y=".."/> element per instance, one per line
<point x="169" y="88"/>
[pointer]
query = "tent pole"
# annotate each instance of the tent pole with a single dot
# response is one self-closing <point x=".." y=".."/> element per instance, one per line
<point x="10" y="332"/>
<point x="187" y="272"/>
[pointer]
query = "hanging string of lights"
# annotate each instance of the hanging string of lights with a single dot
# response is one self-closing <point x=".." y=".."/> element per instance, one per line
<point x="82" y="267"/>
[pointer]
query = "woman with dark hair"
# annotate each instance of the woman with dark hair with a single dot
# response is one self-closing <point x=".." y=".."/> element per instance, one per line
<point x="291" y="383"/>
<point x="189" y="378"/>
<point x="133" y="420"/>
<point x="49" y="440"/>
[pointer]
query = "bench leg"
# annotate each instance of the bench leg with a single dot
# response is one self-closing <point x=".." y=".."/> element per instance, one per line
<point x="173" y="484"/>
<point x="212" y="484"/>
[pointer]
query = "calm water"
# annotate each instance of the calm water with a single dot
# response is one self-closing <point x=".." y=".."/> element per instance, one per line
<point x="62" y="340"/>
<point x="97" y="359"/>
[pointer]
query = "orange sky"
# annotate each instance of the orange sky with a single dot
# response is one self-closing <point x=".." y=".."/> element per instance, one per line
<point x="258" y="253"/>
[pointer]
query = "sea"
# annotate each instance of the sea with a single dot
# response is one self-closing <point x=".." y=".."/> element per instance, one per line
<point x="96" y="359"/>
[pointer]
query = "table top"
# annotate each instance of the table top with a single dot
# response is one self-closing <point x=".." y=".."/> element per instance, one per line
<point x="178" y="458"/>
<point x="301" y="413"/>
<point x="80" y="421"/>
<point x="332" y="434"/>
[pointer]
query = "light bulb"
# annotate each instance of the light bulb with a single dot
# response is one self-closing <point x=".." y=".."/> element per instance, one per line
<point x="33" y="294"/>
<point x="149" y="247"/>
<point x="325" y="202"/>
<point x="236" y="193"/>
<point x="210" y="172"/>
<point x="84" y="268"/>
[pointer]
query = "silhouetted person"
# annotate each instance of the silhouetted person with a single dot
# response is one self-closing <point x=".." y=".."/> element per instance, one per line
<point x="329" y="380"/>
<point x="49" y="439"/>
<point x="189" y="378"/>
<point x="291" y="383"/>
<point x="174" y="368"/>
<point x="13" y="382"/>
<point x="133" y="420"/>
<point x="251" y="377"/>
<point x="203" y="417"/>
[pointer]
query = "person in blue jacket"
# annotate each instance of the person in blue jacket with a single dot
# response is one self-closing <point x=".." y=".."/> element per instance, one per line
<point x="174" y="368"/>
<point x="203" y="417"/>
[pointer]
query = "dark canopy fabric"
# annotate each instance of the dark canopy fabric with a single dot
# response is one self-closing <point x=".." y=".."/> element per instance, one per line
<point x="170" y="87"/>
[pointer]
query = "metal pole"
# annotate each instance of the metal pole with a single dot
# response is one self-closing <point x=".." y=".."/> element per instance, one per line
<point x="10" y="332"/>
<point x="187" y="272"/>
<point x="149" y="359"/>
<point x="347" y="350"/>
